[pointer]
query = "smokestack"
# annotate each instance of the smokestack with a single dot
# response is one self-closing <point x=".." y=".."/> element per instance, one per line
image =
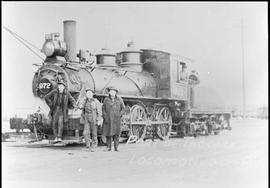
<point x="70" y="39"/>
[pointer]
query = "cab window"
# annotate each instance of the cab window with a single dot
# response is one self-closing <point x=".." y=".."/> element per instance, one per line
<point x="181" y="71"/>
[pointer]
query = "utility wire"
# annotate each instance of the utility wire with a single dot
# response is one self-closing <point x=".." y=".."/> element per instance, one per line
<point x="23" y="41"/>
<point x="21" y="38"/>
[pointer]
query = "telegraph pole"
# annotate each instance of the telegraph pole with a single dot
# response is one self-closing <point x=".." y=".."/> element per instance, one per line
<point x="243" y="69"/>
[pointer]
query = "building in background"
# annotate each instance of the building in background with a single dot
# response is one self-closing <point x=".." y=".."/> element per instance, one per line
<point x="254" y="111"/>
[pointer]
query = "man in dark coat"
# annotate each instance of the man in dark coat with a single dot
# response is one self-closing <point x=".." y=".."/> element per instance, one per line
<point x="112" y="110"/>
<point x="59" y="100"/>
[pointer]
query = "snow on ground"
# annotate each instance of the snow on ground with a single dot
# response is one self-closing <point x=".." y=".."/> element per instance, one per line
<point x="236" y="158"/>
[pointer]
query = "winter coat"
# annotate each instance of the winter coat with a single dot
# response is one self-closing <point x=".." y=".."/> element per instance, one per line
<point x="112" y="112"/>
<point x="68" y="102"/>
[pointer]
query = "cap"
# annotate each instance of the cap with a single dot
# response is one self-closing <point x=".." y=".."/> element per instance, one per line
<point x="61" y="82"/>
<point x="89" y="89"/>
<point x="112" y="88"/>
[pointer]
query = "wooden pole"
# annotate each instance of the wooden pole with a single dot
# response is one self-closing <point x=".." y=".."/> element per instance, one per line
<point x="243" y="70"/>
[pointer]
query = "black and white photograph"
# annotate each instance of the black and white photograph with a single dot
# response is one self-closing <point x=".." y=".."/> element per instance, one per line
<point x="134" y="94"/>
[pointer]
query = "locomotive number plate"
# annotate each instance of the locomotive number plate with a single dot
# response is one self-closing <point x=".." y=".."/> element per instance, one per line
<point x="44" y="86"/>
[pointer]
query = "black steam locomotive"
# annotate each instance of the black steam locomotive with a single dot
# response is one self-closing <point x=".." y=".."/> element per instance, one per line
<point x="157" y="88"/>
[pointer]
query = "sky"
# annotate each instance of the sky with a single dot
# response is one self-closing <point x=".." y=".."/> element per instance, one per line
<point x="208" y="33"/>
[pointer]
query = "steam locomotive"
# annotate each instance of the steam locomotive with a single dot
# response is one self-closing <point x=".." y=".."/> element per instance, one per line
<point x="158" y="95"/>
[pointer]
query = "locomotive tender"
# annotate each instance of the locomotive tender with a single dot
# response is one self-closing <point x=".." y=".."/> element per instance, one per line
<point x="158" y="99"/>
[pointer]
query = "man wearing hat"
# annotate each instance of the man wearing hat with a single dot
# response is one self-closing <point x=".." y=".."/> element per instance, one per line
<point x="204" y="126"/>
<point x="92" y="116"/>
<point x="112" y="110"/>
<point x="59" y="100"/>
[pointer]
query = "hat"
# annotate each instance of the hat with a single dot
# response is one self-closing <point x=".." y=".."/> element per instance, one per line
<point x="89" y="89"/>
<point x="112" y="88"/>
<point x="61" y="82"/>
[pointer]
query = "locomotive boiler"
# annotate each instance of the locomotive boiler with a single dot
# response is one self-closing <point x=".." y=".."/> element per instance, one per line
<point x="158" y="98"/>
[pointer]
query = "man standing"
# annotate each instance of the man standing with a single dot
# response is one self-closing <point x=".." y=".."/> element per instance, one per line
<point x="92" y="116"/>
<point x="59" y="100"/>
<point x="112" y="110"/>
<point x="209" y="125"/>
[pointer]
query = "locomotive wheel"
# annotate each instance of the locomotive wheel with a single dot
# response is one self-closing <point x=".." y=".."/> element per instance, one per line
<point x="156" y="113"/>
<point x="164" y="130"/>
<point x="125" y="119"/>
<point x="137" y="115"/>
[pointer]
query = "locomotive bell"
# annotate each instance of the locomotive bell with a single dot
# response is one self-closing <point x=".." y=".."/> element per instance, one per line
<point x="53" y="46"/>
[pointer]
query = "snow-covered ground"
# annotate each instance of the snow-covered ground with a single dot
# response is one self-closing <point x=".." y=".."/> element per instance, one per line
<point x="236" y="158"/>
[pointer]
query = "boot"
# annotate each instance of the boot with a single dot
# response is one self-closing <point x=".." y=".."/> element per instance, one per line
<point x="116" y="142"/>
<point x="107" y="149"/>
<point x="109" y="143"/>
<point x="91" y="148"/>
